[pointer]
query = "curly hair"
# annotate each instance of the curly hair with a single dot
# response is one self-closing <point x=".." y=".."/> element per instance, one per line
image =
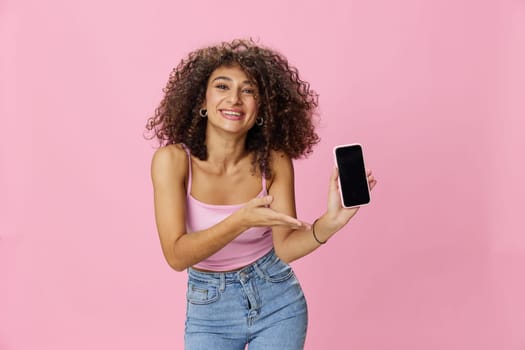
<point x="286" y="102"/>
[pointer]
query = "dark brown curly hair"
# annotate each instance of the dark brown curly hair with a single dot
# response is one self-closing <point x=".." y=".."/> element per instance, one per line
<point x="284" y="100"/>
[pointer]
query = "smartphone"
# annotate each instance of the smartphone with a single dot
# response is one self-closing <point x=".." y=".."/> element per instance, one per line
<point x="353" y="182"/>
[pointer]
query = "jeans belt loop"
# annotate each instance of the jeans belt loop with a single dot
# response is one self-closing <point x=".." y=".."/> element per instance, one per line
<point x="222" y="284"/>
<point x="259" y="271"/>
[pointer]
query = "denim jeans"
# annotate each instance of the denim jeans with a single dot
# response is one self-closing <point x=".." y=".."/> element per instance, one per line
<point x="261" y="305"/>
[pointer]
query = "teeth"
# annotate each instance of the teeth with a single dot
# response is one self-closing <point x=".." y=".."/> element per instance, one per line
<point x="232" y="113"/>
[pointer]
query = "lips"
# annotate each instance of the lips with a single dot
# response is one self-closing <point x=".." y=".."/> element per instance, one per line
<point x="231" y="114"/>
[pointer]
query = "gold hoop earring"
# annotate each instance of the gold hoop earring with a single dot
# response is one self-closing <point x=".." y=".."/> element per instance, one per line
<point x="203" y="112"/>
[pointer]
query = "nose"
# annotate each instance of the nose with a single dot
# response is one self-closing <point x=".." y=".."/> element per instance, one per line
<point x="235" y="97"/>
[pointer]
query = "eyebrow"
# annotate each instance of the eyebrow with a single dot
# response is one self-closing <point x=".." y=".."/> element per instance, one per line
<point x="230" y="79"/>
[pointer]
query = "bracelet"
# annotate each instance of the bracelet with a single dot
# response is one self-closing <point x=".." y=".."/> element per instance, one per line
<point x="313" y="233"/>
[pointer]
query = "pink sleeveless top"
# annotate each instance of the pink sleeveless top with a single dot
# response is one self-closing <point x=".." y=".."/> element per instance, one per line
<point x="243" y="250"/>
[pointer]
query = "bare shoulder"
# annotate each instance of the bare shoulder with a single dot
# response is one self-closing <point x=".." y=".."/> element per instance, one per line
<point x="280" y="161"/>
<point x="282" y="168"/>
<point x="282" y="185"/>
<point x="169" y="162"/>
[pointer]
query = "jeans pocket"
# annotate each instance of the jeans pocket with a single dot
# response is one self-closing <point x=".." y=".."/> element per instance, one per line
<point x="201" y="294"/>
<point x="278" y="271"/>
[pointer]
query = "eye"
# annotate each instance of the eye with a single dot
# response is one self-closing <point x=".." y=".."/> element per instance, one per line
<point x="249" y="91"/>
<point x="221" y="86"/>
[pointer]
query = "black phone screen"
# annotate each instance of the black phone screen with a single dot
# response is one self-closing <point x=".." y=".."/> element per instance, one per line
<point x="353" y="181"/>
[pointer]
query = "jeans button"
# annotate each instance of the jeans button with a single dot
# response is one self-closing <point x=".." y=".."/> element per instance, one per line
<point x="243" y="276"/>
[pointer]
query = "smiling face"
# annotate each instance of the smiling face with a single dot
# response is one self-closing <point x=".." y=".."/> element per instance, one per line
<point x="231" y="100"/>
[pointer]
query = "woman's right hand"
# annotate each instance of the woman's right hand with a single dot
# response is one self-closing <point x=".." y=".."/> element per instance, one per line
<point x="337" y="215"/>
<point x="258" y="213"/>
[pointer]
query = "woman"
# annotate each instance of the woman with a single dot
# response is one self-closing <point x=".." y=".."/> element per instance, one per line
<point x="232" y="119"/>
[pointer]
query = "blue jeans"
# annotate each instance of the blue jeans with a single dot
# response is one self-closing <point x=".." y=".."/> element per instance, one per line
<point x="261" y="305"/>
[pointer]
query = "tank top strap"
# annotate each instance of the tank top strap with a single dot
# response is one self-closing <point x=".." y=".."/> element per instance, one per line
<point x="264" y="189"/>
<point x="189" y="167"/>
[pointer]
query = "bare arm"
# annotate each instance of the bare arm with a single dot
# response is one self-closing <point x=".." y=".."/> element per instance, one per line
<point x="181" y="250"/>
<point x="291" y="244"/>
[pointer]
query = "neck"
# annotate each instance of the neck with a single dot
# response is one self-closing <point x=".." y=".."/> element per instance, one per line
<point x="225" y="152"/>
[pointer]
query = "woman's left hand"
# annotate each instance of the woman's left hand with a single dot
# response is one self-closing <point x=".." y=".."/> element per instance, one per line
<point x="337" y="214"/>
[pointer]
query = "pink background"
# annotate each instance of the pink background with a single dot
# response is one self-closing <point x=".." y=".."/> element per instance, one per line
<point x="432" y="89"/>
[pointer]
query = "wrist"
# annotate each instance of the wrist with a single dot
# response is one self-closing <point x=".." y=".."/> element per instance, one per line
<point x="329" y="224"/>
<point x="238" y="221"/>
<point x="315" y="235"/>
<point x="322" y="229"/>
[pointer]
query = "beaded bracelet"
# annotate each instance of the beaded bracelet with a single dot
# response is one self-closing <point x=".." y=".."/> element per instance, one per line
<point x="313" y="233"/>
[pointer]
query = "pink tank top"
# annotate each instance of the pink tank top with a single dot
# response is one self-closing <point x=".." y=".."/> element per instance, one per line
<point x="243" y="250"/>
